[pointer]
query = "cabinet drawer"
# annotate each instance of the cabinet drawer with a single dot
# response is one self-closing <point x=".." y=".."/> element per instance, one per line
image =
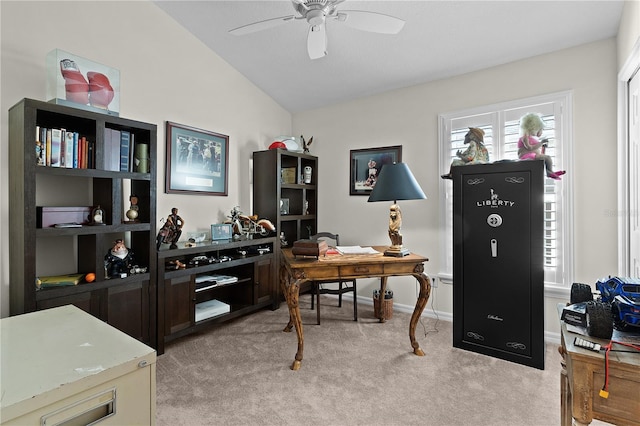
<point x="358" y="270"/>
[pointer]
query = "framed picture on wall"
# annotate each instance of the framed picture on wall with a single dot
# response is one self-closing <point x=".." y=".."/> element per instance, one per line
<point x="197" y="161"/>
<point x="366" y="164"/>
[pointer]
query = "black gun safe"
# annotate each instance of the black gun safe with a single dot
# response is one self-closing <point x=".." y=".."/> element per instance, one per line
<point x="498" y="275"/>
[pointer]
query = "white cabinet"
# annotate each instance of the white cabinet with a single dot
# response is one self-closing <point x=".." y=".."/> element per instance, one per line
<point x="62" y="365"/>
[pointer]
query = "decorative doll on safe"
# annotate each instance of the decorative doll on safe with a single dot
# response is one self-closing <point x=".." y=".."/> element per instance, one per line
<point x="531" y="148"/>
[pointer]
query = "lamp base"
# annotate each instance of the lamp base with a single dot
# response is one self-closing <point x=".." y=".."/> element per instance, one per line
<point x="396" y="251"/>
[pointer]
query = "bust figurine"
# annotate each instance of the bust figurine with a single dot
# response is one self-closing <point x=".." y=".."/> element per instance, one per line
<point x="132" y="213"/>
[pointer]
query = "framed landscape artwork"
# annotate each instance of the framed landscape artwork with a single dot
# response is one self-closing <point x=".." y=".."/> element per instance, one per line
<point x="366" y="165"/>
<point x="197" y="161"/>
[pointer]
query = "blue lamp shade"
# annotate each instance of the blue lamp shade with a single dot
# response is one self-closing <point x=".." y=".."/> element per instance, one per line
<point x="396" y="182"/>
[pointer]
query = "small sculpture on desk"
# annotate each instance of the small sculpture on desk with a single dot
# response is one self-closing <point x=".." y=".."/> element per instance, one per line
<point x="118" y="260"/>
<point x="395" y="224"/>
<point x="171" y="230"/>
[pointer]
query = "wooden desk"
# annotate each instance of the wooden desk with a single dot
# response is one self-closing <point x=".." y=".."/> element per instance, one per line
<point x="296" y="271"/>
<point x="583" y="376"/>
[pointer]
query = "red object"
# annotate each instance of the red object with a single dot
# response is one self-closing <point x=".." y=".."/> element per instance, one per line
<point x="277" y="145"/>
<point x="75" y="84"/>
<point x="100" y="90"/>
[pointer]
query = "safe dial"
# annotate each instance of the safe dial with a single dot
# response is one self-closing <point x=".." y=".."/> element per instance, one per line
<point x="494" y="220"/>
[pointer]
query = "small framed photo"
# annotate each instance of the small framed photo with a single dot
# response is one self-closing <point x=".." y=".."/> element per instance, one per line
<point x="197" y="161"/>
<point x="221" y="232"/>
<point x="284" y="206"/>
<point x="366" y="165"/>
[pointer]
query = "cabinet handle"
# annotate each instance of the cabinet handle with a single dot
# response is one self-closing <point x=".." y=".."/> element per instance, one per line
<point x="143" y="363"/>
<point x="361" y="269"/>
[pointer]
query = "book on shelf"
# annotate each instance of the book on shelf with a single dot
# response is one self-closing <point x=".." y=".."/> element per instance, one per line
<point x="114" y="162"/>
<point x="68" y="149"/>
<point x="40" y="147"/>
<point x="132" y="147"/>
<point x="125" y="145"/>
<point x="59" y="280"/>
<point x="76" y="137"/>
<point x="47" y="144"/>
<point x="56" y="145"/>
<point x="91" y="154"/>
<point x="111" y="150"/>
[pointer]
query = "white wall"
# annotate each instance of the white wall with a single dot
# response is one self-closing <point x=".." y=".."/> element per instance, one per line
<point x="166" y="74"/>
<point x="409" y="117"/>
<point x="629" y="30"/>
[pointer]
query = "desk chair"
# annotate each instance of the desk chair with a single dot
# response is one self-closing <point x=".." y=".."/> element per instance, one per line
<point x="317" y="289"/>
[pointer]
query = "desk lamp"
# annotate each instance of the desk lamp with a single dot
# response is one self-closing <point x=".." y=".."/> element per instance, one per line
<point x="396" y="182"/>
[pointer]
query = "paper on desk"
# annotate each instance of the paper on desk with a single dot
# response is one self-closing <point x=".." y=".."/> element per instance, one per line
<point x="356" y="250"/>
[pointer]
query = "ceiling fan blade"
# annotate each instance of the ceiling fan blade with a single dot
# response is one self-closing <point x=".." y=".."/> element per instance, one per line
<point x="301" y="3"/>
<point x="317" y="41"/>
<point x="261" y="25"/>
<point x="370" y="21"/>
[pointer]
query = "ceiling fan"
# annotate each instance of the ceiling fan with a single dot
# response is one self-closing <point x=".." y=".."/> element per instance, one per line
<point x="316" y="13"/>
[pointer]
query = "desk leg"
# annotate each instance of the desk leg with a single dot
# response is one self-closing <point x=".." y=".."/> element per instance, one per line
<point x="284" y="285"/>
<point x="423" y="298"/>
<point x="292" y="291"/>
<point x="565" y="392"/>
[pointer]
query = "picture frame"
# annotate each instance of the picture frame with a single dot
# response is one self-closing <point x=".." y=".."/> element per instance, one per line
<point x="197" y="161"/>
<point x="365" y="166"/>
<point x="221" y="232"/>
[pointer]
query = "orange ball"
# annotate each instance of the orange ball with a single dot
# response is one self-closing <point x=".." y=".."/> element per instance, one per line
<point x="90" y="277"/>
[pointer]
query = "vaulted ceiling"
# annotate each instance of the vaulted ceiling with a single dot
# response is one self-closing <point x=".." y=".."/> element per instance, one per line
<point x="440" y="38"/>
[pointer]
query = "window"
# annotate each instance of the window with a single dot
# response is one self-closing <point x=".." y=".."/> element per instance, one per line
<point x="502" y="131"/>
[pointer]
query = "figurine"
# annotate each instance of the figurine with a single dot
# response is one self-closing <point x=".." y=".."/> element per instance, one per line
<point x="132" y="213"/>
<point x="247" y="226"/>
<point x="476" y="153"/>
<point x="118" y="260"/>
<point x="530" y="148"/>
<point x="395" y="224"/>
<point x="171" y="230"/>
<point x="305" y="145"/>
<point x="97" y="216"/>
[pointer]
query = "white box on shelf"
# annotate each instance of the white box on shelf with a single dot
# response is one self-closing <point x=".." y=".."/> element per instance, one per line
<point x="211" y="308"/>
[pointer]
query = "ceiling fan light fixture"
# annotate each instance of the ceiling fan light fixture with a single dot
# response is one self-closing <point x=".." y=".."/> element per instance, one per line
<point x="315" y="17"/>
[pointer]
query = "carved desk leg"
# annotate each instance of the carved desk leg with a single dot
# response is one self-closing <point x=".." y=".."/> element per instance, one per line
<point x="292" y="291"/>
<point x="423" y="297"/>
<point x="565" y="391"/>
<point x="284" y="285"/>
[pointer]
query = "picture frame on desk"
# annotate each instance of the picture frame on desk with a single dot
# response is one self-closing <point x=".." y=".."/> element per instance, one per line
<point x="221" y="232"/>
<point x="197" y="161"/>
<point x="365" y="166"/>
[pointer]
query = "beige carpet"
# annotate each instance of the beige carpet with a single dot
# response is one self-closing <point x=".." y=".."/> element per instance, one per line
<point x="353" y="373"/>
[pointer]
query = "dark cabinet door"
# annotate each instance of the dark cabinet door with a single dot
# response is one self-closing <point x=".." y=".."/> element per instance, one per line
<point x="498" y="273"/>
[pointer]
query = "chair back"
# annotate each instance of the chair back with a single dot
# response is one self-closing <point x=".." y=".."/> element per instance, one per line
<point x="327" y="236"/>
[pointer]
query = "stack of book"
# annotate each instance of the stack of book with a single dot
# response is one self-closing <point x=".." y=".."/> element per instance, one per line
<point x="64" y="148"/>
